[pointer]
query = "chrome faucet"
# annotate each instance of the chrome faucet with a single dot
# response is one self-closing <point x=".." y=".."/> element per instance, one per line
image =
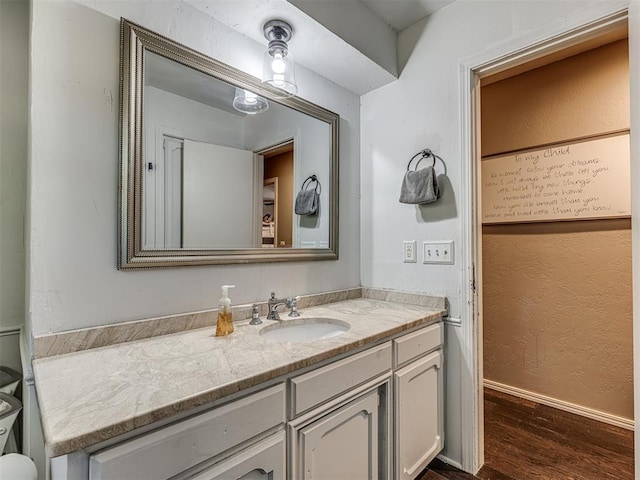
<point x="274" y="303"/>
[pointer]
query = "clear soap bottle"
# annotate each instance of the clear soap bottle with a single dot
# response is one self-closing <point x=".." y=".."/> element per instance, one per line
<point x="224" y="326"/>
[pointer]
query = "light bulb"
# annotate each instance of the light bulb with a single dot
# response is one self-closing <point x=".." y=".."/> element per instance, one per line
<point x="278" y="65"/>
<point x="249" y="102"/>
<point x="278" y="80"/>
<point x="250" y="97"/>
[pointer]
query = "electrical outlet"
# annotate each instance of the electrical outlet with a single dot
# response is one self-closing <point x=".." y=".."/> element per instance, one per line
<point x="437" y="252"/>
<point x="409" y="253"/>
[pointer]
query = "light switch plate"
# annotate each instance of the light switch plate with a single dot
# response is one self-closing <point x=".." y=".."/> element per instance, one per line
<point x="437" y="252"/>
<point x="409" y="252"/>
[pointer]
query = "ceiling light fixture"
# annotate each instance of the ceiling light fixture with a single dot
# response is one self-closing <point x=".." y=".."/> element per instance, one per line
<point x="277" y="68"/>
<point x="248" y="102"/>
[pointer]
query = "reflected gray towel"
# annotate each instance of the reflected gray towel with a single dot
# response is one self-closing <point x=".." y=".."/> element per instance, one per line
<point x="307" y="202"/>
<point x="420" y="186"/>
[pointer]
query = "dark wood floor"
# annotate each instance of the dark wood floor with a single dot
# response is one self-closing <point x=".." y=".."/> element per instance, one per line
<point x="525" y="440"/>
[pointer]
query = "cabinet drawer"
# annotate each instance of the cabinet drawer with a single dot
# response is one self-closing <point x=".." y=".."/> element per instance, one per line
<point x="265" y="460"/>
<point x="173" y="449"/>
<point x="413" y="345"/>
<point x="315" y="387"/>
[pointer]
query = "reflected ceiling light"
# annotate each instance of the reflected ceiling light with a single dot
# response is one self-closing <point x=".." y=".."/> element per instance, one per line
<point x="277" y="68"/>
<point x="248" y="102"/>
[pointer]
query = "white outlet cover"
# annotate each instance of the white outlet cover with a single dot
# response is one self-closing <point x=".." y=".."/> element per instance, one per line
<point x="409" y="251"/>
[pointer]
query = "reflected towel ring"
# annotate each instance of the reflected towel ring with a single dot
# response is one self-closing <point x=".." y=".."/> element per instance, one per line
<point x="310" y="179"/>
<point x="308" y="199"/>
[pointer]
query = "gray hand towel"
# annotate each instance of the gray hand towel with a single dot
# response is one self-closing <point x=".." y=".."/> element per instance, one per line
<point x="308" y="199"/>
<point x="420" y="186"/>
<point x="307" y="202"/>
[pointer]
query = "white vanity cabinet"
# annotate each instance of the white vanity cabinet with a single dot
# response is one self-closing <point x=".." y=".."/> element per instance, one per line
<point x="419" y="400"/>
<point x="192" y="443"/>
<point x="347" y="434"/>
<point x="372" y="415"/>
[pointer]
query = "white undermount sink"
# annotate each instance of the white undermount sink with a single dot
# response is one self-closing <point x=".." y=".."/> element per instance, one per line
<point x="304" y="329"/>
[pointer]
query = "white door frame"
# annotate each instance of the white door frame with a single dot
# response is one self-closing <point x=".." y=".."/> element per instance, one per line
<point x="605" y="18"/>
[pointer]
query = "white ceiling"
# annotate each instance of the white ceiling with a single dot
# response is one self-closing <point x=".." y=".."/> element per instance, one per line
<point x="173" y="77"/>
<point x="399" y="14"/>
<point x="353" y="43"/>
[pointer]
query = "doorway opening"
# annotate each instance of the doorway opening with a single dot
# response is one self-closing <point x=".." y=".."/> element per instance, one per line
<point x="556" y="265"/>
<point x="538" y="53"/>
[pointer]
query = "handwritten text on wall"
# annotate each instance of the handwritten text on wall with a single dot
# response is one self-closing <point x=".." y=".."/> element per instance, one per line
<point x="586" y="179"/>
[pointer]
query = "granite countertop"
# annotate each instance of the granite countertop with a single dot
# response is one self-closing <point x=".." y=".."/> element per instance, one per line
<point x="91" y="396"/>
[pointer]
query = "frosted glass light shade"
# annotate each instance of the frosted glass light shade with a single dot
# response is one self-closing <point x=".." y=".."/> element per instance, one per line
<point x="278" y="71"/>
<point x="248" y="102"/>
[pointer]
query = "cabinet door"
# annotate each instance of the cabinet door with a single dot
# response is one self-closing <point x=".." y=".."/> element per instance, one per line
<point x="264" y="460"/>
<point x="419" y="415"/>
<point x="343" y="444"/>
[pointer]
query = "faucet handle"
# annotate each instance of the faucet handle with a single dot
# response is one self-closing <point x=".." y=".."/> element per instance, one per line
<point x="255" y="315"/>
<point x="292" y="303"/>
<point x="273" y="296"/>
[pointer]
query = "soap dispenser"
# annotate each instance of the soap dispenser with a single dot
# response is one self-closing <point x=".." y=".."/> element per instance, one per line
<point x="225" y="316"/>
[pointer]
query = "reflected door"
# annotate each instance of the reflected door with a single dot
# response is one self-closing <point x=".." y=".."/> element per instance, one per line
<point x="217" y="196"/>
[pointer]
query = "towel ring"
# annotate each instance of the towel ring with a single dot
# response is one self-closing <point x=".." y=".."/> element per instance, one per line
<point x="312" y="178"/>
<point x="426" y="153"/>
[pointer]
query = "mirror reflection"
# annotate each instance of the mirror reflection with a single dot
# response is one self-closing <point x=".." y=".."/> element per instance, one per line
<point x="215" y="177"/>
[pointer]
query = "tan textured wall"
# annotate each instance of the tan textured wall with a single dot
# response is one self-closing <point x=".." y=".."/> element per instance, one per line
<point x="582" y="95"/>
<point x="281" y="166"/>
<point x="557" y="296"/>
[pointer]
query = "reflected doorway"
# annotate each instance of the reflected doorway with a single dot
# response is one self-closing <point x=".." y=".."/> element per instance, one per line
<point x="278" y="195"/>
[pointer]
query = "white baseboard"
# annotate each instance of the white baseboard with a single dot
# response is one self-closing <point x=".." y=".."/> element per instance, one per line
<point x="448" y="461"/>
<point x="562" y="405"/>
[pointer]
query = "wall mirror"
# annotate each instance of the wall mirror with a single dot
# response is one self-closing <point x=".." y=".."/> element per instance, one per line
<point x="211" y="161"/>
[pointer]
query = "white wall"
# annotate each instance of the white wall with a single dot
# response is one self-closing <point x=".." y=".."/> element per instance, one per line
<point x="14" y="54"/>
<point x="170" y="114"/>
<point x="74" y="282"/>
<point x="422" y="109"/>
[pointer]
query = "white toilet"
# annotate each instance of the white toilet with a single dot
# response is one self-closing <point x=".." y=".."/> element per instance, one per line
<point x="14" y="466"/>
